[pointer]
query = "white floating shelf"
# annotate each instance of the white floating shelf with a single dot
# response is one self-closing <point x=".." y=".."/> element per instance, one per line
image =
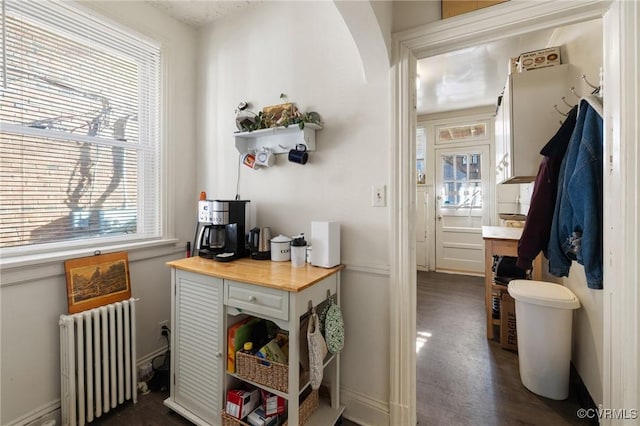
<point x="278" y="140"/>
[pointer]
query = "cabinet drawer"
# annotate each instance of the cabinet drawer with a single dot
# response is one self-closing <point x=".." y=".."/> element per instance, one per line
<point x="256" y="299"/>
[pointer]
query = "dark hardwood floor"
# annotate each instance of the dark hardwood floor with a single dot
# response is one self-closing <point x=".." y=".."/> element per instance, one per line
<point x="464" y="379"/>
<point x="150" y="411"/>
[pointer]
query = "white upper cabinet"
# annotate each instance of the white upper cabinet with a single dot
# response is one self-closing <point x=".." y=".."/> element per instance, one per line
<point x="526" y="120"/>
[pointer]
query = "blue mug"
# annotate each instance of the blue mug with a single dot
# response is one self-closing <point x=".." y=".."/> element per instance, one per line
<point x="299" y="154"/>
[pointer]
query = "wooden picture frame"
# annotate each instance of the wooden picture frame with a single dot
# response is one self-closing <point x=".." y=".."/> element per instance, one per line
<point x="95" y="281"/>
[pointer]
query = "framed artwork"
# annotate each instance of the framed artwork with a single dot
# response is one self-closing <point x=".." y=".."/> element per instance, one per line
<point x="272" y="115"/>
<point x="97" y="280"/>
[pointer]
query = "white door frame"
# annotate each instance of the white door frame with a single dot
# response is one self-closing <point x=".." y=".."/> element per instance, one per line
<point x="621" y="32"/>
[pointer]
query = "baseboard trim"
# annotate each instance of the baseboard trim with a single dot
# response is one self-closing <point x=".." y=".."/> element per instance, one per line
<point x="362" y="409"/>
<point x="149" y="357"/>
<point x="50" y="411"/>
<point x="373" y="268"/>
<point x="577" y="387"/>
<point x="459" y="272"/>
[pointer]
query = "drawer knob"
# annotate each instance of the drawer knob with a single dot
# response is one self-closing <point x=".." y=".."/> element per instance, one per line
<point x="252" y="299"/>
<point x="218" y="354"/>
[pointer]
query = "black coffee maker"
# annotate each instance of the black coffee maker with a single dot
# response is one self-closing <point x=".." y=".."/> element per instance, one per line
<point x="221" y="230"/>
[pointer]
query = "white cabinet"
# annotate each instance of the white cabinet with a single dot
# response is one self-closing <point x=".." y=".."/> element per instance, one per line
<point x="208" y="296"/>
<point x="278" y="140"/>
<point x="285" y="308"/>
<point x="197" y="347"/>
<point x="527" y="119"/>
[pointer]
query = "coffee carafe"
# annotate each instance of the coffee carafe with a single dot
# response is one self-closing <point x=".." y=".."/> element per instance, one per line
<point x="260" y="243"/>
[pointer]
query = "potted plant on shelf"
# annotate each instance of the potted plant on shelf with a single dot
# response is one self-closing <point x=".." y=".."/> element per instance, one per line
<point x="280" y="115"/>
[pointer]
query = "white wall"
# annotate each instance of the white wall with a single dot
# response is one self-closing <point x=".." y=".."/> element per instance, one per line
<point x="582" y="46"/>
<point x="411" y="13"/>
<point x="255" y="56"/>
<point x="383" y="10"/>
<point x="33" y="297"/>
<point x="305" y="50"/>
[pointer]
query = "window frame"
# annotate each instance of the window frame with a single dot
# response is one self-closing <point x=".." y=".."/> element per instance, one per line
<point x="27" y="255"/>
<point x="458" y="124"/>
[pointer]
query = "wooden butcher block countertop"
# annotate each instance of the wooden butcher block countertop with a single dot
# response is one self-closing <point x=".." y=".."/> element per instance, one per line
<point x="501" y="233"/>
<point x="280" y="275"/>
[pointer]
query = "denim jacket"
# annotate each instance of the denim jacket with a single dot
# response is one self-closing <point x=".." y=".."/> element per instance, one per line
<point x="576" y="230"/>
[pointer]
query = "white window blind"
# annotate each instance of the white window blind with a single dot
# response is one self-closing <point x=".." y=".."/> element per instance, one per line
<point x="79" y="128"/>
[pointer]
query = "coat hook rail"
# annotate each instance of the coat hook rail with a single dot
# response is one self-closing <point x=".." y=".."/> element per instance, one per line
<point x="584" y="77"/>
<point x="573" y="90"/>
<point x="560" y="112"/>
<point x="564" y="99"/>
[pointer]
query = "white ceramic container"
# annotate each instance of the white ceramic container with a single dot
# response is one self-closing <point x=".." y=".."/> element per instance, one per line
<point x="281" y="248"/>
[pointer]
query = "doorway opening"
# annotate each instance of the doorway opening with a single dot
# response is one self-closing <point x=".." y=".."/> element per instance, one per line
<point x="490" y="156"/>
<point x="455" y="200"/>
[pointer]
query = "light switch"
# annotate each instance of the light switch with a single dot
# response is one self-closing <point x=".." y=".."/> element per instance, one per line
<point x="378" y="196"/>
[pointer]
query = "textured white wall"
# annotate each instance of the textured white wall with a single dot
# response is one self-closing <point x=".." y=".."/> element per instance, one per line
<point x="305" y="50"/>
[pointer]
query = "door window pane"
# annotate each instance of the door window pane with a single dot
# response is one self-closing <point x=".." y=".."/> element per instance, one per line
<point x="474" y="167"/>
<point x="447" y="167"/>
<point x="461" y="181"/>
<point x="461" y="167"/>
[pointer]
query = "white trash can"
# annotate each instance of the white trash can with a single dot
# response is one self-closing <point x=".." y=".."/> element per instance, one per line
<point x="544" y="314"/>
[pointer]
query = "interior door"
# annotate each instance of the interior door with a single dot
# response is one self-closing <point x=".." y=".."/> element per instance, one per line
<point x="462" y="207"/>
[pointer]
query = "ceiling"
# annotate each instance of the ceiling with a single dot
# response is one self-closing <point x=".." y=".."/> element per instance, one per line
<point x="198" y="13"/>
<point x="457" y="80"/>
<point x="471" y="77"/>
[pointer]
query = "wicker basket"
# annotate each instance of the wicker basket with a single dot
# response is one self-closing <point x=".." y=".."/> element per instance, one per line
<point x="268" y="373"/>
<point x="307" y="408"/>
<point x="228" y="420"/>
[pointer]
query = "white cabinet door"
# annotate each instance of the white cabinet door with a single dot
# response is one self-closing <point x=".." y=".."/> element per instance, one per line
<point x="197" y="347"/>
<point x="530" y="119"/>
<point x="501" y="135"/>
